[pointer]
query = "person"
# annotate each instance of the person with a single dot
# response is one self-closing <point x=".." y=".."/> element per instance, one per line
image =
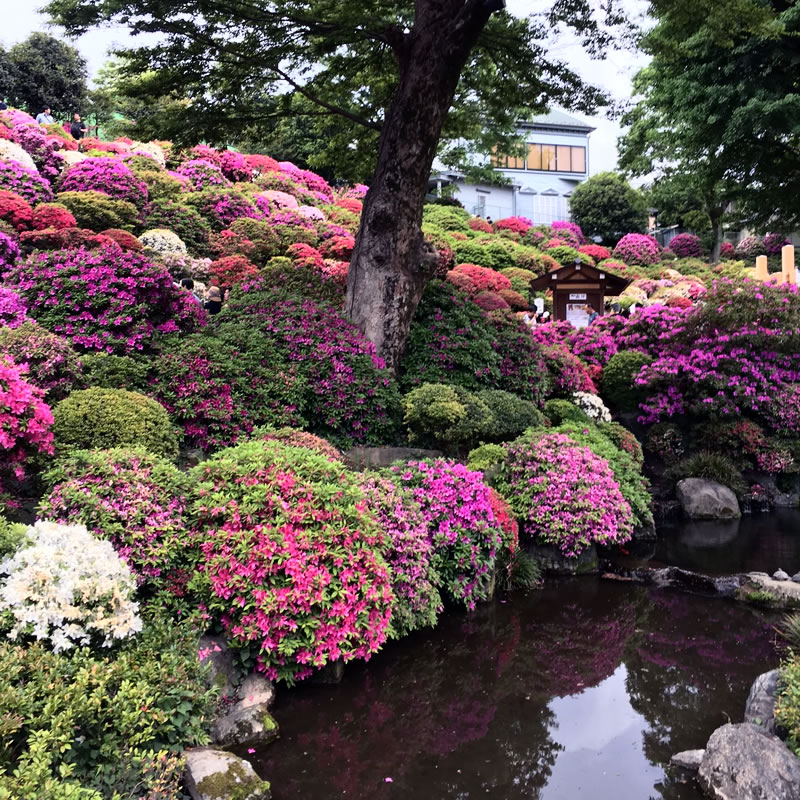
<point x="188" y="284"/>
<point x="489" y="220"/>
<point x="3" y="105"/>
<point x="78" y="127"/>
<point x="45" y="117"/>
<point x="592" y="312"/>
<point x="214" y="302"/>
<point x="529" y="317"/>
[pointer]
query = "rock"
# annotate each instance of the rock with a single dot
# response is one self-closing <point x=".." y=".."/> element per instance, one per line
<point x="704" y="499"/>
<point x="217" y="775"/>
<point x="214" y="651"/>
<point x="796" y="577"/>
<point x="554" y="562"/>
<point x="677" y="578"/>
<point x="760" y="706"/>
<point x="780" y="575"/>
<point x="361" y="457"/>
<point x="245" y="725"/>
<point x="786" y="594"/>
<point x="744" y="762"/>
<point x="255" y="690"/>
<point x="688" y="759"/>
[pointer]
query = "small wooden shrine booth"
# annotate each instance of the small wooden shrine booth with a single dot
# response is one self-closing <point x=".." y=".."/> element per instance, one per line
<point x="577" y="287"/>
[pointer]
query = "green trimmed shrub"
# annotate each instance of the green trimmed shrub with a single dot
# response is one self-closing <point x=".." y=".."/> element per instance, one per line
<point x="183" y="220"/>
<point x="787" y="709"/>
<point x="444" y="416"/>
<point x="520" y="280"/>
<point x="160" y="184"/>
<point x="486" y="456"/>
<point x="447" y="218"/>
<point x="511" y="415"/>
<point x="115" y="372"/>
<point x="623" y="439"/>
<point x="98" y="419"/>
<point x="713" y="467"/>
<point x="281" y="276"/>
<point x="617" y="385"/>
<point x="494" y="253"/>
<point x="566" y="255"/>
<point x="558" y="411"/>
<point x="11" y="536"/>
<point x="99" y="212"/>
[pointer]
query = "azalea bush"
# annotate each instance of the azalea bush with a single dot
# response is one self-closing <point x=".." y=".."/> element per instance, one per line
<point x="232" y="270"/>
<point x="138" y="502"/>
<point x="220" y="207"/>
<point x="25" y="182"/>
<point x="297" y="438"/>
<point x="183" y="220"/>
<point x="52" y="364"/>
<point x="300" y="580"/>
<point x="98" y="418"/>
<point x="52" y="215"/>
<point x="99" y="212"/>
<point x="686" y="245"/>
<point x="564" y="494"/>
<point x="104" y="175"/>
<point x="636" y="248"/>
<point x="13" y="309"/>
<point x="15" y="210"/>
<point x="466" y="537"/>
<point x="86" y="597"/>
<point x="103" y="299"/>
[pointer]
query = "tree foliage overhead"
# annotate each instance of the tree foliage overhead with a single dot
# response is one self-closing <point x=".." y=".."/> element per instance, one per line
<point x="719" y="108"/>
<point x="243" y="66"/>
<point x="44" y="72"/>
<point x="608" y="207"/>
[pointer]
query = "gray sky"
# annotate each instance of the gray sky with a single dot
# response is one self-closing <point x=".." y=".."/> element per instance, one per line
<point x="614" y="73"/>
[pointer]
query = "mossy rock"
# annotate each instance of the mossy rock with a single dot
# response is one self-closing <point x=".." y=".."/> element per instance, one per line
<point x="217" y="775"/>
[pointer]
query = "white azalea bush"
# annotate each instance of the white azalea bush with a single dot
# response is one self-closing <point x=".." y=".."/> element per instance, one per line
<point x="592" y="406"/>
<point x="162" y="242"/>
<point x="68" y="588"/>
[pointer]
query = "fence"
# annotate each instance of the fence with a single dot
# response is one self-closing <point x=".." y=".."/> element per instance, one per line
<point x="788" y="273"/>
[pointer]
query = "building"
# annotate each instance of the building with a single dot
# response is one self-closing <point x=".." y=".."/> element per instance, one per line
<point x="556" y="160"/>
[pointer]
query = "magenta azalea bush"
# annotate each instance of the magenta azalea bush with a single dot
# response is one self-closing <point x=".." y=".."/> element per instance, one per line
<point x="466" y="536"/>
<point x="774" y="243"/>
<point x="408" y="551"/>
<point x="24" y="182"/>
<point x="103" y="299"/>
<point x="105" y="175"/>
<point x="560" y="226"/>
<point x="9" y="252"/>
<point x="564" y="494"/>
<point x="220" y="207"/>
<point x="13" y="309"/>
<point x="596" y="343"/>
<point x="136" y="500"/>
<point x="636" y="248"/>
<point x="201" y="173"/>
<point x="25" y="425"/>
<point x="291" y="558"/>
<point x="686" y="245"/>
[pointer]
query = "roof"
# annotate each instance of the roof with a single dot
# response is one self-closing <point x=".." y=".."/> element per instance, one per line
<point x="558" y="119"/>
<point x="560" y="278"/>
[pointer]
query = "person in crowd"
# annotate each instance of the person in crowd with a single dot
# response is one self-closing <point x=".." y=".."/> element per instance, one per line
<point x="214" y="302"/>
<point x="3" y="105"/>
<point x="543" y="318"/>
<point x="530" y="317"/>
<point x="489" y="220"/>
<point x="45" y="117"/>
<point x="592" y="312"/>
<point x="188" y="284"/>
<point x="78" y="127"/>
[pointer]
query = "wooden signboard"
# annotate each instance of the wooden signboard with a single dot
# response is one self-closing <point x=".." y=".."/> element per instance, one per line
<point x="577" y="287"/>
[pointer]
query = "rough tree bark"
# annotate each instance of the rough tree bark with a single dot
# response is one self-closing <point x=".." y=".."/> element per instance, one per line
<point x="391" y="264"/>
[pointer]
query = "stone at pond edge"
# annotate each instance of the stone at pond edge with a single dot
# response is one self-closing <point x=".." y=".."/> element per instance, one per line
<point x="554" y="562"/>
<point x="760" y="706"/>
<point x="786" y="594"/>
<point x="217" y="775"/>
<point x="780" y="575"/>
<point x="796" y="577"/>
<point x="214" y="651"/>
<point x="360" y="457"/>
<point x="245" y="725"/>
<point x="744" y="762"/>
<point x="688" y="759"/>
<point x="704" y="499"/>
<point x="255" y="690"/>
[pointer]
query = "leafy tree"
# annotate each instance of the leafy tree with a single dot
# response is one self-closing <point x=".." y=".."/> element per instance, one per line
<point x="389" y="71"/>
<point x="718" y="108"/>
<point x="46" y="73"/>
<point x="677" y="202"/>
<point x="609" y="207"/>
<point x="7" y="73"/>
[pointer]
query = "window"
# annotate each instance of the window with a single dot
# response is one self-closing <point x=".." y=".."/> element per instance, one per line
<point x="555" y="158"/>
<point x="507" y="162"/>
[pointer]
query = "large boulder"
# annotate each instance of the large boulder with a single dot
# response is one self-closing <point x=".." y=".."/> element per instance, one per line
<point x="214" y="651"/>
<point x="705" y="499"/>
<point x="760" y="706"/>
<point x="785" y="594"/>
<point x="553" y="562"/>
<point x="217" y="775"/>
<point x="744" y="762"/>
<point x="249" y="721"/>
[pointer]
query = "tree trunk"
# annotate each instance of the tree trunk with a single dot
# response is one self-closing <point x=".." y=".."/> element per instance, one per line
<point x="716" y="233"/>
<point x="391" y="264"/>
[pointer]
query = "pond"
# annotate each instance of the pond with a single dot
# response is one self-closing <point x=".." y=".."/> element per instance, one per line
<point x="582" y="690"/>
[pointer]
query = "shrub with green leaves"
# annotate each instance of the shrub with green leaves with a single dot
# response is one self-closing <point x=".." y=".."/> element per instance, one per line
<point x="98" y="419"/>
<point x="99" y="212"/>
<point x="12" y="534"/>
<point x="558" y="411"/>
<point x="624" y="440"/>
<point x="495" y="253"/>
<point x="444" y="416"/>
<point x="520" y="280"/>
<point x="85" y="726"/>
<point x="116" y="372"/>
<point x="447" y="218"/>
<point x="182" y="220"/>
<point x="787" y="708"/>
<point x="486" y="456"/>
<point x="511" y="415"/>
<point x="713" y="467"/>
<point x="617" y="386"/>
<point x="566" y="255"/>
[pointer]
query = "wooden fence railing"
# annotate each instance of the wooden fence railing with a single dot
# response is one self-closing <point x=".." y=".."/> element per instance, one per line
<point x="788" y="273"/>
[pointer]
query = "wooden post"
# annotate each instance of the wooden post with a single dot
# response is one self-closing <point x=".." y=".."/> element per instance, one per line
<point x="762" y="273"/>
<point x="787" y="263"/>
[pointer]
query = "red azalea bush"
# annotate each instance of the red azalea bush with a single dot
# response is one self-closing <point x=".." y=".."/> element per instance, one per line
<point x="339" y="248"/>
<point x="107" y="176"/>
<point x="479" y="224"/>
<point x="514" y="299"/>
<point x="52" y="215"/>
<point x="490" y="301"/>
<point x="686" y="245"/>
<point x="103" y="299"/>
<point x="25" y="425"/>
<point x="349" y="204"/>
<point x="292" y="437"/>
<point x="64" y="239"/>
<point x="727" y="250"/>
<point x="518" y="225"/>
<point x="304" y="255"/>
<point x="466" y="537"/>
<point x="261" y="164"/>
<point x="635" y="248"/>
<point x="504" y="515"/>
<point x="679" y="302"/>
<point x="125" y="239"/>
<point x="566" y="495"/>
<point x="298" y="581"/>
<point x="595" y="251"/>
<point x="15" y="210"/>
<point x="232" y="270"/>
<point x="473" y="279"/>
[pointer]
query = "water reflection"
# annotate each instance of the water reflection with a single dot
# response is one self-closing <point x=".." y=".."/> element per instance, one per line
<point x="581" y="690"/>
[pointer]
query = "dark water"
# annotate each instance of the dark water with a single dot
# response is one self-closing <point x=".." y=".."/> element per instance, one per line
<point x="755" y="543"/>
<point x="581" y="690"/>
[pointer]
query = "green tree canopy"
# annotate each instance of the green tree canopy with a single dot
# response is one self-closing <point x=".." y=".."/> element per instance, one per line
<point x="718" y="108"/>
<point x="606" y="205"/>
<point x="397" y="76"/>
<point x="46" y="72"/>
